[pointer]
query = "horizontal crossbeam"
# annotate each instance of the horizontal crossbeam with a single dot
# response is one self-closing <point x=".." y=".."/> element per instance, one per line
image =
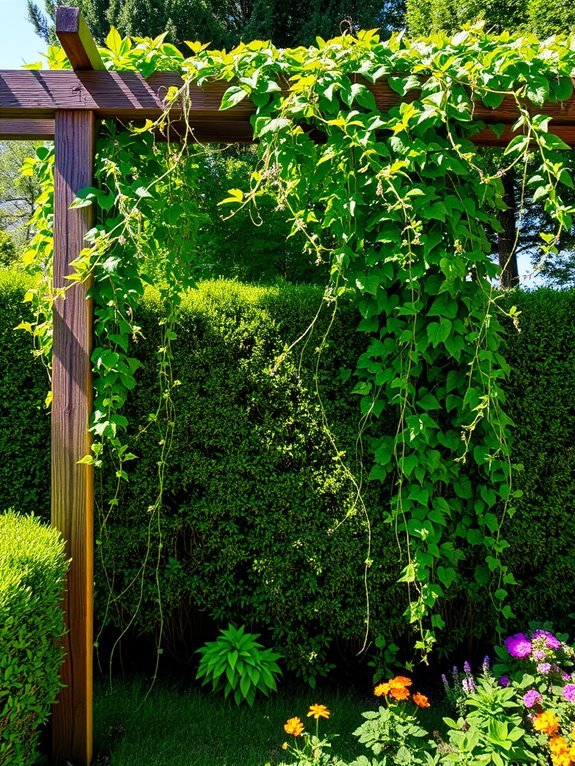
<point x="38" y="95"/>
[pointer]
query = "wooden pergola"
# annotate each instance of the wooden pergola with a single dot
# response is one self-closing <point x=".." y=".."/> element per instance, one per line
<point x="65" y="106"/>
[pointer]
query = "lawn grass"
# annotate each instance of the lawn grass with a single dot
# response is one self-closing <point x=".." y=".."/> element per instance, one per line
<point x="194" y="728"/>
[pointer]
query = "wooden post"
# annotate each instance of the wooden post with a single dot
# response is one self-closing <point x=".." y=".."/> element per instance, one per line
<point x="73" y="483"/>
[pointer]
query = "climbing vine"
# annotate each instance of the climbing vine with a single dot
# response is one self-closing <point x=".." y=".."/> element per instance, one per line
<point x="402" y="205"/>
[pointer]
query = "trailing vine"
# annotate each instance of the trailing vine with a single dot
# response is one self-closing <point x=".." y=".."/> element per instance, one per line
<point x="402" y="205"/>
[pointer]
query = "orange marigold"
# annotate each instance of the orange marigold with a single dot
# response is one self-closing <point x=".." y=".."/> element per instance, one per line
<point x="399" y="693"/>
<point x="318" y="711"/>
<point x="420" y="700"/>
<point x="546" y="722"/>
<point x="400" y="681"/>
<point x="381" y="689"/>
<point x="558" y="744"/>
<point x="293" y="726"/>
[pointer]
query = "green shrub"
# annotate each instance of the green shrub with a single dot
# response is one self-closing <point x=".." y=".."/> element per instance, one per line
<point x="32" y="569"/>
<point x="250" y="524"/>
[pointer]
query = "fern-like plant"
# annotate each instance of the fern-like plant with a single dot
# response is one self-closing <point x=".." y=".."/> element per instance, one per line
<point x="236" y="663"/>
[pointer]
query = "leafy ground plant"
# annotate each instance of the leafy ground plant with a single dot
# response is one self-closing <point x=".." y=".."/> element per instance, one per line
<point x="237" y="664"/>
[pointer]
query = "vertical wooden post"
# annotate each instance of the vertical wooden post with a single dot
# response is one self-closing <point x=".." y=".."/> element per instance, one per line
<point x="73" y="484"/>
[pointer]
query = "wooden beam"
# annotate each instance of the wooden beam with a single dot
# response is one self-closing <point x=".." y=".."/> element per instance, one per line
<point x="77" y="40"/>
<point x="26" y="130"/>
<point x="73" y="483"/>
<point x="32" y="94"/>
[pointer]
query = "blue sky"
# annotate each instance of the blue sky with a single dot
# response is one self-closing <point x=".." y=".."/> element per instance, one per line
<point x="19" y="44"/>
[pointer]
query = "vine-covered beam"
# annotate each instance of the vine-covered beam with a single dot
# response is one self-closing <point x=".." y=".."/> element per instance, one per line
<point x="34" y="95"/>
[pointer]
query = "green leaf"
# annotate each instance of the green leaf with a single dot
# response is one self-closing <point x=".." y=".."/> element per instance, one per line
<point x="438" y="332"/>
<point x="232" y="97"/>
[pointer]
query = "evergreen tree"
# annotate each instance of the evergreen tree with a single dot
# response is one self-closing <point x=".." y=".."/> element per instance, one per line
<point x="544" y="18"/>
<point x="224" y="23"/>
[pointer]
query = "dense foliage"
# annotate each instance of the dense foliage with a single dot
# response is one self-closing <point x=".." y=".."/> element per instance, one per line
<point x="226" y="22"/>
<point x="253" y="488"/>
<point x="541" y="17"/>
<point x="32" y="569"/>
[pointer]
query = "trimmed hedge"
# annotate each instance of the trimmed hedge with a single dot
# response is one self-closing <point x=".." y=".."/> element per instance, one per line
<point x="32" y="570"/>
<point x="250" y="528"/>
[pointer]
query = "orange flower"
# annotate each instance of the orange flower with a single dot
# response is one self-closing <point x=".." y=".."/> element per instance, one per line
<point x="400" y="681"/>
<point x="318" y="711"/>
<point x="399" y="693"/>
<point x="546" y="722"/>
<point x="293" y="726"/>
<point x="558" y="744"/>
<point x="381" y="689"/>
<point x="421" y="700"/>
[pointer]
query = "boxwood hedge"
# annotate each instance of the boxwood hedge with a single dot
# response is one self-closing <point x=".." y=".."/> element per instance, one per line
<point x="32" y="569"/>
<point x="251" y="526"/>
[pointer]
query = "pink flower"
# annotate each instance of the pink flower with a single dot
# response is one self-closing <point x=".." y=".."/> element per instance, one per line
<point x="569" y="692"/>
<point x="531" y="698"/>
<point x="518" y="645"/>
<point x="551" y="641"/>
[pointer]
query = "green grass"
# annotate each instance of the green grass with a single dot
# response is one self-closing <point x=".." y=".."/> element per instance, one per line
<point x="194" y="728"/>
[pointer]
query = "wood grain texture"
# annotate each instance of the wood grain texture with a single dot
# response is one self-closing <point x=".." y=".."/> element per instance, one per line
<point x="128" y="96"/>
<point x="73" y="484"/>
<point x="76" y="40"/>
<point x="26" y="130"/>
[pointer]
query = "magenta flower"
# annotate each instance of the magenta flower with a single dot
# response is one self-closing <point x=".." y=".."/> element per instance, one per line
<point x="551" y="641"/>
<point x="518" y="646"/>
<point x="569" y="692"/>
<point x="531" y="698"/>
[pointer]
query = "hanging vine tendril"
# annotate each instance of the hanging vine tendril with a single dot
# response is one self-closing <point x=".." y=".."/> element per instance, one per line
<point x="402" y="205"/>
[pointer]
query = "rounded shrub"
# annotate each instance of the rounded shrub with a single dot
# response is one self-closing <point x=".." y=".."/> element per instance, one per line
<point x="32" y="570"/>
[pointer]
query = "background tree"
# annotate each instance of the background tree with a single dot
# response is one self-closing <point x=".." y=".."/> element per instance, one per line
<point x="544" y="18"/>
<point x="17" y="195"/>
<point x="225" y="23"/>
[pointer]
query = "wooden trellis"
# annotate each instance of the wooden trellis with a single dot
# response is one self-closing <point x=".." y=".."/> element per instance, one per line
<point x="65" y="106"/>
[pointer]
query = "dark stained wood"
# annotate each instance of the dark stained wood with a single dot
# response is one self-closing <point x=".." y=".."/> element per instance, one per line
<point x="127" y="95"/>
<point x="73" y="483"/>
<point x="23" y="130"/>
<point x="76" y="39"/>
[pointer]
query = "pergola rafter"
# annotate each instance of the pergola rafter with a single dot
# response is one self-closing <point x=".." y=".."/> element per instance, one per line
<point x="65" y="106"/>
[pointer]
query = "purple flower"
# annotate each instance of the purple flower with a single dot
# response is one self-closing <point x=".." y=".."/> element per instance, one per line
<point x="467" y="668"/>
<point x="551" y="641"/>
<point x="531" y="698"/>
<point x="569" y="692"/>
<point x="504" y="681"/>
<point x="566" y="677"/>
<point x="518" y="645"/>
<point x="539" y="654"/>
<point x="444" y="680"/>
<point x="544" y="668"/>
<point x="486" y="664"/>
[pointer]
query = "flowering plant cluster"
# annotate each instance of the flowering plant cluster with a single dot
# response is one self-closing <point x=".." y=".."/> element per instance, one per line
<point x="521" y="710"/>
<point x="392" y="732"/>
<point x="541" y="671"/>
<point x="307" y="747"/>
